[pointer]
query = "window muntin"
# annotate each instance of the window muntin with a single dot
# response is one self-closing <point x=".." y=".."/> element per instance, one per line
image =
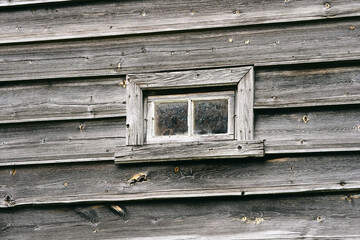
<point x="209" y="116"/>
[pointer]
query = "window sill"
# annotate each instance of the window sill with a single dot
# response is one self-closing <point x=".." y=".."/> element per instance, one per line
<point x="189" y="151"/>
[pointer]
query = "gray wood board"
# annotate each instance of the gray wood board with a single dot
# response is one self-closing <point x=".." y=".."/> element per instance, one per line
<point x="189" y="151"/>
<point x="244" y="126"/>
<point x="308" y="129"/>
<point x="62" y="100"/>
<point x="111" y="18"/>
<point x="106" y="182"/>
<point x="189" y="79"/>
<point x="134" y="114"/>
<point x="285" y="217"/>
<point x="68" y="141"/>
<point x="289" y="43"/>
<point x="301" y="87"/>
<point x="10" y="3"/>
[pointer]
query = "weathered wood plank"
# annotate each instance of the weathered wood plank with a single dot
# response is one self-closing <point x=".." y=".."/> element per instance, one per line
<point x="70" y="141"/>
<point x="111" y="18"/>
<point x="106" y="182"/>
<point x="285" y="217"/>
<point x="244" y="107"/>
<point x="189" y="151"/>
<point x="62" y="100"/>
<point x="307" y="87"/>
<point x="134" y="113"/>
<point x="309" y="130"/>
<point x="9" y="3"/>
<point x="189" y="79"/>
<point x="260" y="45"/>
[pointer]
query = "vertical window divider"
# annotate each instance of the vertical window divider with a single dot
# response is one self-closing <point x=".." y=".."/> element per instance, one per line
<point x="190" y="118"/>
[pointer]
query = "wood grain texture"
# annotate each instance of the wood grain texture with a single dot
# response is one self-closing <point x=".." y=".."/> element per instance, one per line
<point x="289" y="43"/>
<point x="52" y="142"/>
<point x="285" y="217"/>
<point x="111" y="18"/>
<point x="62" y="100"/>
<point x="10" y="3"/>
<point x="189" y="79"/>
<point x="307" y="87"/>
<point x="106" y="182"/>
<point x="189" y="151"/>
<point x="105" y="97"/>
<point x="309" y="130"/>
<point x="134" y="113"/>
<point x="244" y="107"/>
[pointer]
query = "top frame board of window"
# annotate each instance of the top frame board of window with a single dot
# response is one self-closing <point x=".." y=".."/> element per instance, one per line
<point x="240" y="79"/>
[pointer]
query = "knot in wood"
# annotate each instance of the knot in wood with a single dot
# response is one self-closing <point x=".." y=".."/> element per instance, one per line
<point x="327" y="5"/>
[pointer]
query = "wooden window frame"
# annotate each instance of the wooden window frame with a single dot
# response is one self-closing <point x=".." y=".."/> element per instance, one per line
<point x="190" y="98"/>
<point x="244" y="145"/>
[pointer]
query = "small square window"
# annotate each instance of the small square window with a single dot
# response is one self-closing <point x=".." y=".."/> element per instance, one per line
<point x="190" y="117"/>
<point x="181" y="123"/>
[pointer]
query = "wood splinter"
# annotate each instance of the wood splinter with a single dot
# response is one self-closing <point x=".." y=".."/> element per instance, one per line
<point x="140" y="177"/>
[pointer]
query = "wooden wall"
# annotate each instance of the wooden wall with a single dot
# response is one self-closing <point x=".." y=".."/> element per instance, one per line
<point x="62" y="69"/>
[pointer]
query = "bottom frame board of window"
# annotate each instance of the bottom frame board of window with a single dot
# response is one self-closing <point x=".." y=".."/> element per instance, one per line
<point x="189" y="151"/>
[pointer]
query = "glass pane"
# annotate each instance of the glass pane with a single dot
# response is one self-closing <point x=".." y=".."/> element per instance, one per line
<point x="211" y="116"/>
<point x="171" y="118"/>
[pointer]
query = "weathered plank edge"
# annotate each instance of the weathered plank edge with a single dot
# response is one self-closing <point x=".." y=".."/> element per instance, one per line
<point x="198" y="78"/>
<point x="9" y="202"/>
<point x="318" y="149"/>
<point x="31" y="2"/>
<point x="200" y="150"/>
<point x="315" y="102"/>
<point x="70" y="117"/>
<point x="51" y="161"/>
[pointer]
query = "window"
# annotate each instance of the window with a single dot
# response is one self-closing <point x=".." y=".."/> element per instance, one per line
<point x="190" y="117"/>
<point x="166" y="122"/>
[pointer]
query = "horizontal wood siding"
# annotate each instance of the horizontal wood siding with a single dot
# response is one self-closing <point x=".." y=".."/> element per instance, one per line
<point x="307" y="87"/>
<point x="309" y="129"/>
<point x="62" y="100"/>
<point x="67" y="141"/>
<point x="290" y="43"/>
<point x="318" y="129"/>
<point x="86" y="98"/>
<point x="284" y="217"/>
<point x="106" y="182"/>
<point x="111" y="18"/>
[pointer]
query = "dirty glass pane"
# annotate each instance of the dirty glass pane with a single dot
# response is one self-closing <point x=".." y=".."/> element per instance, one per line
<point x="171" y="118"/>
<point x="211" y="116"/>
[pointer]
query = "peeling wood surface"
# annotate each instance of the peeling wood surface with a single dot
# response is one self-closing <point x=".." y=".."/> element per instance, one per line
<point x="309" y="130"/>
<point x="289" y="43"/>
<point x="111" y="18"/>
<point x="62" y="100"/>
<point x="189" y="151"/>
<point x="106" y="182"/>
<point x="307" y="87"/>
<point x="331" y="216"/>
<point x="68" y="141"/>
